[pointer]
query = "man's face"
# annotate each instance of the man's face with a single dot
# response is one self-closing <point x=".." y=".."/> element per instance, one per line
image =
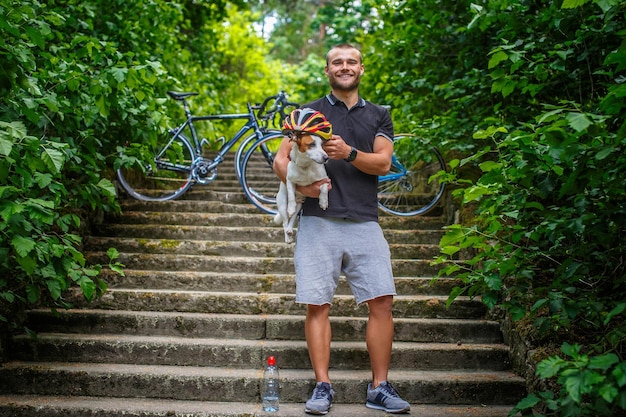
<point x="344" y="68"/>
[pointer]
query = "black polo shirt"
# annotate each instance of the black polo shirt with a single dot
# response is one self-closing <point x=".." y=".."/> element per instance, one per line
<point x="354" y="193"/>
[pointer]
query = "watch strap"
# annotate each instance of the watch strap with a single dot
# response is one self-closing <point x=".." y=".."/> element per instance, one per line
<point x="352" y="155"/>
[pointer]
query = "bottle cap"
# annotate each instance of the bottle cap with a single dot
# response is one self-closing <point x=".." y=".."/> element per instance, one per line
<point x="271" y="361"/>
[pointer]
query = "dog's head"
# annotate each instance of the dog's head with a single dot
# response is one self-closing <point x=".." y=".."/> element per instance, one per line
<point x="311" y="146"/>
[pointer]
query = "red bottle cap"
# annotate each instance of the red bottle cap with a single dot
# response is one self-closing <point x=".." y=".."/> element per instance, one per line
<point x="271" y="361"/>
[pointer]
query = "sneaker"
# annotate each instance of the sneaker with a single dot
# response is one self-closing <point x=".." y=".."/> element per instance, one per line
<point x="321" y="400"/>
<point x="385" y="397"/>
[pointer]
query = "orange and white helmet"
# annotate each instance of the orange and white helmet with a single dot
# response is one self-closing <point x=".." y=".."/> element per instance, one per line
<point x="306" y="120"/>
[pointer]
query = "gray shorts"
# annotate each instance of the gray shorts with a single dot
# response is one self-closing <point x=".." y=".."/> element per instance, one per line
<point x="327" y="247"/>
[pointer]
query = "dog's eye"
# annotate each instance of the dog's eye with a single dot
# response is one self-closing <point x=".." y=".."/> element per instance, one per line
<point x="311" y="145"/>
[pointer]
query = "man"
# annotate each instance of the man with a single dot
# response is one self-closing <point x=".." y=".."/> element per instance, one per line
<point x="346" y="237"/>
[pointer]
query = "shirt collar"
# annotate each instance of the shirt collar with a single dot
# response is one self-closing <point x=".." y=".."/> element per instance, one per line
<point x="334" y="100"/>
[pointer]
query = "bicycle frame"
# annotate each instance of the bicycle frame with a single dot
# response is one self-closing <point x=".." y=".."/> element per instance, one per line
<point x="401" y="171"/>
<point x="251" y="124"/>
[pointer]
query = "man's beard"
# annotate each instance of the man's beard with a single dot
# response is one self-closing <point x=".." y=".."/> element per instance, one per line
<point x="336" y="85"/>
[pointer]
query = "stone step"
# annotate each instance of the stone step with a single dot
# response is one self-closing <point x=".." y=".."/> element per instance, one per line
<point x="187" y="213"/>
<point x="80" y="406"/>
<point x="241" y="353"/>
<point x="233" y="248"/>
<point x="203" y="383"/>
<point x="242" y="264"/>
<point x="261" y="233"/>
<point x="254" y="326"/>
<point x="414" y="306"/>
<point x="257" y="283"/>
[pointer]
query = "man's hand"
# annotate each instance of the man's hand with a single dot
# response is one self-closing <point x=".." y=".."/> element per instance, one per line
<point x="313" y="190"/>
<point x="336" y="148"/>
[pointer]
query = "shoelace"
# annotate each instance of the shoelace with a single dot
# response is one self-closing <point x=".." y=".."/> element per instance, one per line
<point x="321" y="392"/>
<point x="389" y="389"/>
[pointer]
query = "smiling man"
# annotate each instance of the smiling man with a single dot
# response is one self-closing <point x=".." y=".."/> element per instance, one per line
<point x="346" y="237"/>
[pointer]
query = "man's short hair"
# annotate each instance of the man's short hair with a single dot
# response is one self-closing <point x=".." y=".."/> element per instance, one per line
<point x="345" y="46"/>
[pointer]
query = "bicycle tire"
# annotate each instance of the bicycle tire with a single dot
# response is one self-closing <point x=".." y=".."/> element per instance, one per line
<point x="245" y="145"/>
<point x="408" y="190"/>
<point x="258" y="180"/>
<point x="157" y="176"/>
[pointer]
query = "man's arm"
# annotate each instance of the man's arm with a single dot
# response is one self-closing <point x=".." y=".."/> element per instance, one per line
<point x="377" y="162"/>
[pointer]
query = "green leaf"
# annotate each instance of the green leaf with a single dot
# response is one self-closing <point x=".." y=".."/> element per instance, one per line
<point x="113" y="253"/>
<point x="450" y="250"/>
<point x="617" y="310"/>
<point x="572" y="4"/>
<point x="603" y="362"/>
<point x="32" y="293"/>
<point x="529" y="402"/>
<point x="53" y="159"/>
<point x="604" y="153"/>
<point x="54" y="287"/>
<point x="496" y="58"/>
<point x="88" y="287"/>
<point x="574" y="385"/>
<point x="23" y="245"/>
<point x="489" y="165"/>
<point x="107" y="186"/>
<point x="578" y="121"/>
<point x="5" y="147"/>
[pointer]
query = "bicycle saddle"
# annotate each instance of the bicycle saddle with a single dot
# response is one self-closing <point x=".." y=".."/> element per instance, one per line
<point x="180" y="96"/>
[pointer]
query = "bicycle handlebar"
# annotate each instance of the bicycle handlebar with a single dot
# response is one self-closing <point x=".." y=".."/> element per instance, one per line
<point x="278" y="107"/>
<point x="266" y="115"/>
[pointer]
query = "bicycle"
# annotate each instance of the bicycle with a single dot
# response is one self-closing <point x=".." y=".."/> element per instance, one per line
<point x="409" y="189"/>
<point x="165" y="171"/>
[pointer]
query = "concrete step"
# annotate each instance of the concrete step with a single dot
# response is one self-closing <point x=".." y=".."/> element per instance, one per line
<point x="240" y="353"/>
<point x="204" y="214"/>
<point x="259" y="233"/>
<point x="428" y="306"/>
<point x="258" y="283"/>
<point x="243" y="264"/>
<point x="234" y="248"/>
<point x="204" y="383"/>
<point x="79" y="406"/>
<point x="254" y="326"/>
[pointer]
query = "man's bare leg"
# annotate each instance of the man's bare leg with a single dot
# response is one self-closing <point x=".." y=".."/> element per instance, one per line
<point x="318" y="336"/>
<point x="379" y="337"/>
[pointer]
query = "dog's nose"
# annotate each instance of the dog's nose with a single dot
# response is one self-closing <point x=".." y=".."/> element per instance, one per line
<point x="325" y="158"/>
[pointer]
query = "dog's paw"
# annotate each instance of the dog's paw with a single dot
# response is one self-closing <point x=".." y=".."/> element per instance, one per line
<point x="289" y="236"/>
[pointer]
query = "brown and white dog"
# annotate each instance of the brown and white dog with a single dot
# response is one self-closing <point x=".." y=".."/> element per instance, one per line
<point x="306" y="166"/>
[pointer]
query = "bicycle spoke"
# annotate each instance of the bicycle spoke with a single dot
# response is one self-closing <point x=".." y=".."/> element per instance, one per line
<point x="259" y="182"/>
<point x="160" y="179"/>
<point x="409" y="189"/>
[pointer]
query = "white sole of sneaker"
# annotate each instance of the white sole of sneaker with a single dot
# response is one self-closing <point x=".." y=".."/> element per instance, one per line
<point x="388" y="410"/>
<point x="317" y="413"/>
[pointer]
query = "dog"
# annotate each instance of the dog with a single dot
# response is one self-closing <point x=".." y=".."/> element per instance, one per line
<point x="306" y="166"/>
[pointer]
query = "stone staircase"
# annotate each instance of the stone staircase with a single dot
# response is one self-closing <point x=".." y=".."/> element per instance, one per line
<point x="208" y="294"/>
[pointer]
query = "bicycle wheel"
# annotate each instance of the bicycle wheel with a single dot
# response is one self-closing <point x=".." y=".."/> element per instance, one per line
<point x="161" y="175"/>
<point x="408" y="190"/>
<point x="258" y="180"/>
<point x="245" y="145"/>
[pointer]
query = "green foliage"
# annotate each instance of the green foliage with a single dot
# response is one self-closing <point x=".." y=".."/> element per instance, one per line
<point x="80" y="78"/>
<point x="590" y="385"/>
<point x="528" y="99"/>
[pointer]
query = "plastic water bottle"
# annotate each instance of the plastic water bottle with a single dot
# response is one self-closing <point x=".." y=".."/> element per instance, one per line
<point x="270" y="386"/>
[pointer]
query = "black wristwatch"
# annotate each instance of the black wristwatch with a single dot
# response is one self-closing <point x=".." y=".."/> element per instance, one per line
<point x="352" y="155"/>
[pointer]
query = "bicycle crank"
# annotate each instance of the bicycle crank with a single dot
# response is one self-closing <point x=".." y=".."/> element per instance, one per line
<point x="203" y="174"/>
